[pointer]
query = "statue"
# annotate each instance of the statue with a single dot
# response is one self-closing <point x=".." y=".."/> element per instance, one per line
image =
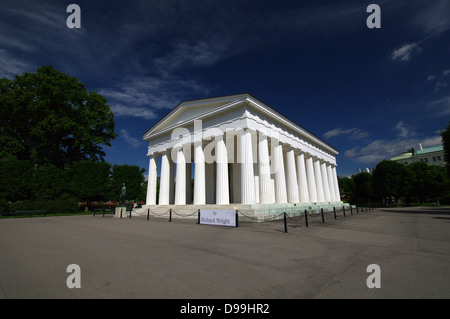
<point x="122" y="194"/>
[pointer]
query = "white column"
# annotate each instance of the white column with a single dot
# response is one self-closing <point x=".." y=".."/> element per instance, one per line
<point x="301" y="176"/>
<point x="331" y="183"/>
<point x="164" y="183"/>
<point x="180" y="185"/>
<point x="336" y="184"/>
<point x="312" y="189"/>
<point x="151" y="184"/>
<point x="326" y="186"/>
<point x="199" y="175"/>
<point x="319" y="185"/>
<point x="265" y="189"/>
<point x="292" y="182"/>
<point x="222" y="191"/>
<point x="278" y="169"/>
<point x="188" y="181"/>
<point x="247" y="174"/>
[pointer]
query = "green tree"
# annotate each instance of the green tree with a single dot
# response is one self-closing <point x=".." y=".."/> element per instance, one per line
<point x="50" y="182"/>
<point x="363" y="187"/>
<point x="346" y="187"/>
<point x="90" y="181"/>
<point x="15" y="179"/>
<point x="445" y="134"/>
<point x="436" y="183"/>
<point x="48" y="117"/>
<point x="418" y="172"/>
<point x="132" y="176"/>
<point x="390" y="180"/>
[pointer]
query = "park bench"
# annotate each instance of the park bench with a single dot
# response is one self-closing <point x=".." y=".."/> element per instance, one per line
<point x="29" y="212"/>
<point x="104" y="211"/>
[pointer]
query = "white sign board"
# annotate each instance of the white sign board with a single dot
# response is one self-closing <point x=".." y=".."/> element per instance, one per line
<point x="218" y="217"/>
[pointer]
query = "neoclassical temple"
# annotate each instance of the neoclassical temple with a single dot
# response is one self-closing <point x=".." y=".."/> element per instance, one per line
<point x="237" y="152"/>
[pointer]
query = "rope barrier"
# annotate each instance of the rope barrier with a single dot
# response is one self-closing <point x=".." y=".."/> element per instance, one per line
<point x="293" y="216"/>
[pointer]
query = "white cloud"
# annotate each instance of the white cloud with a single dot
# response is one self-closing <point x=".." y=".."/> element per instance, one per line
<point x="385" y="149"/>
<point x="195" y="53"/>
<point x="441" y="106"/>
<point x="143" y="97"/>
<point x="352" y="133"/>
<point x="11" y="66"/>
<point x="433" y="17"/>
<point x="133" y="111"/>
<point x="134" y="142"/>
<point x="405" y="52"/>
<point x="440" y="80"/>
<point x="403" y="132"/>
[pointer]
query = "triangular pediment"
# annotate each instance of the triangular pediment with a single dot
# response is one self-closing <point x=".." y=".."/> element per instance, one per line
<point x="196" y="109"/>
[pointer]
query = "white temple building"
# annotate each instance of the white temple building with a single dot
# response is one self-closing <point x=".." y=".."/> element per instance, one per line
<point x="236" y="152"/>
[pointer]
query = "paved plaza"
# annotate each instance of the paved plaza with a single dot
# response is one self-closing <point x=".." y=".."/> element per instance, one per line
<point x="136" y="258"/>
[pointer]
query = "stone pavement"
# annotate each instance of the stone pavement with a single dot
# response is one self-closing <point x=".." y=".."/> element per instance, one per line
<point x="136" y="258"/>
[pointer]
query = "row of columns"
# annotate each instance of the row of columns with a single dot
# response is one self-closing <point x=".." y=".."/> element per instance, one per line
<point x="293" y="177"/>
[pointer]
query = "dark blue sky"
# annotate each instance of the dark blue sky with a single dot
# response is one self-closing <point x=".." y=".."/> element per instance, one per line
<point x="371" y="93"/>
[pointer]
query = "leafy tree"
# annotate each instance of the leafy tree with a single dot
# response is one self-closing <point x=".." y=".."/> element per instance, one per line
<point x="15" y="179"/>
<point x="50" y="182"/>
<point x="445" y="134"/>
<point x="418" y="174"/>
<point x="132" y="176"/>
<point x="436" y="183"/>
<point x="48" y="117"/>
<point x="390" y="180"/>
<point x="346" y="184"/>
<point x="363" y="187"/>
<point x="90" y="181"/>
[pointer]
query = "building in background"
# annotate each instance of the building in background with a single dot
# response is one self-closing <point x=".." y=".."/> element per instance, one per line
<point x="430" y="155"/>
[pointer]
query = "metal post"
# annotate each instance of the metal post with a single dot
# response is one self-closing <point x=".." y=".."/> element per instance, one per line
<point x="148" y="213"/>
<point x="343" y="210"/>
<point x="351" y="210"/>
<point x="170" y="215"/>
<point x="131" y="210"/>
<point x="285" y="222"/>
<point x="306" y="218"/>
<point x="237" y="218"/>
<point x="323" y="219"/>
<point x="94" y="213"/>
<point x="121" y="209"/>
<point x="198" y="217"/>
<point x="334" y="212"/>
<point x="357" y="209"/>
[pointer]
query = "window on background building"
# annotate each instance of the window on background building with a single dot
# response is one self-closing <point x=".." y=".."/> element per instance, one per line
<point x="426" y="160"/>
<point x="434" y="158"/>
<point x="438" y="158"/>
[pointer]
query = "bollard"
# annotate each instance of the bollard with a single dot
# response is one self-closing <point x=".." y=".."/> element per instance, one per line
<point x="131" y="210"/>
<point x="198" y="217"/>
<point x="170" y="215"/>
<point x="148" y="213"/>
<point x="343" y="210"/>
<point x="94" y="213"/>
<point x="103" y="213"/>
<point x="357" y="209"/>
<point x="121" y="209"/>
<point x="351" y="210"/>
<point x="334" y="212"/>
<point x="323" y="219"/>
<point x="237" y="218"/>
<point x="306" y="218"/>
<point x="285" y="222"/>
